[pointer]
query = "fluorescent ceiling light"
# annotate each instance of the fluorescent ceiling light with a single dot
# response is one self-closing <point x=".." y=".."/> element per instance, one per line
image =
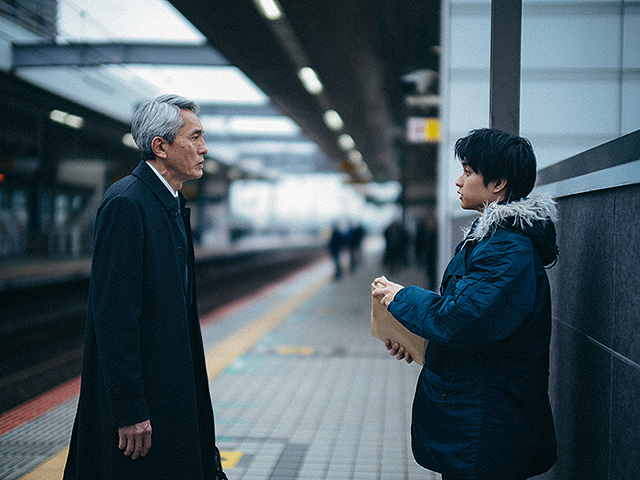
<point x="346" y="142"/>
<point x="124" y="21"/>
<point x="128" y="140"/>
<point x="269" y="8"/>
<point x="253" y="165"/>
<point x="263" y="125"/>
<point x="333" y="120"/>
<point x="58" y="116"/>
<point x="202" y="83"/>
<point x="355" y="156"/>
<point x="214" y="124"/>
<point x="310" y="80"/>
<point x="386" y="192"/>
<point x="231" y="150"/>
<point x="67" y="119"/>
<point x="249" y="125"/>
<point x="74" y="122"/>
<point x="234" y="174"/>
<point x="211" y="166"/>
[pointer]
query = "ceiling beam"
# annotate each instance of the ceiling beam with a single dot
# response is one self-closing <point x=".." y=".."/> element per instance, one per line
<point x="239" y="109"/>
<point x="248" y="40"/>
<point x="214" y="136"/>
<point x="94" y="54"/>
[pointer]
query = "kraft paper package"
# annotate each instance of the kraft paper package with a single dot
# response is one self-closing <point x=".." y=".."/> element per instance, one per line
<point x="384" y="326"/>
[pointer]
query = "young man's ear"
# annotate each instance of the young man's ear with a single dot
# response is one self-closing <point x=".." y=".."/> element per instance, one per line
<point x="499" y="187"/>
<point x="157" y="145"/>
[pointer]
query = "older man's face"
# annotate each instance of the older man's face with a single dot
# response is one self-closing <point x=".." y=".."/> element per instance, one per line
<point x="185" y="155"/>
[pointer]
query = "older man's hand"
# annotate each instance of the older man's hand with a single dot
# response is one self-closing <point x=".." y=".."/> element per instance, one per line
<point x="135" y="440"/>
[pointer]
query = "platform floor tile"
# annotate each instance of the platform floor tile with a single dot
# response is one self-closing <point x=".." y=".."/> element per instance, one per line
<point x="315" y="398"/>
<point x="319" y="397"/>
<point x="31" y="444"/>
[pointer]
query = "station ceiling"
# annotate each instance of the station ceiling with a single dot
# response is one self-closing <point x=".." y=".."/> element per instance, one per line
<point x="376" y="59"/>
<point x="361" y="50"/>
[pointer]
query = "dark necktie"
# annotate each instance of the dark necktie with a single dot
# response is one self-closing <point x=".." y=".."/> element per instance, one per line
<point x="183" y="231"/>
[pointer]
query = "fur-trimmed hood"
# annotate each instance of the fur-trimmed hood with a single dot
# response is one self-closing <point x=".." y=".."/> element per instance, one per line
<point x="534" y="217"/>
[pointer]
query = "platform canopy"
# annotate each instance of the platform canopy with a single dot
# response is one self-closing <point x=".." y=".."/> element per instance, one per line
<point x="334" y="80"/>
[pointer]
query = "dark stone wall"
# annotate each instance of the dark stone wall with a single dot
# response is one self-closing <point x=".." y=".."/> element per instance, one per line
<point x="595" y="347"/>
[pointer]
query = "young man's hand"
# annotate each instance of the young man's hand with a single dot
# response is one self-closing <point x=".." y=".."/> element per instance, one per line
<point x="398" y="351"/>
<point x="385" y="289"/>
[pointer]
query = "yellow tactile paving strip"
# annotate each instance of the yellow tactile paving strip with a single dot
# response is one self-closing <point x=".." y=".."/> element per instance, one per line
<point x="217" y="360"/>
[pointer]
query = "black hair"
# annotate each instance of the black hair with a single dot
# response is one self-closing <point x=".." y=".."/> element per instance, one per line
<point x="499" y="155"/>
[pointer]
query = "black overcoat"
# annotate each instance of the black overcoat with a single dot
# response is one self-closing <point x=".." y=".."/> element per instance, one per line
<point x="143" y="354"/>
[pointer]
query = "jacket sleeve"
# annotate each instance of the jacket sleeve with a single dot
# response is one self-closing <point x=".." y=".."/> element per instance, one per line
<point x="116" y="307"/>
<point x="489" y="302"/>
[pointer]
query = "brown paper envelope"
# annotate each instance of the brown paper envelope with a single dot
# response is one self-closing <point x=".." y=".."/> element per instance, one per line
<point x="384" y="326"/>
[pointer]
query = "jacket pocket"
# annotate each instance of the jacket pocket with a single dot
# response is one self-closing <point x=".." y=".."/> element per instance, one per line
<point x="447" y="424"/>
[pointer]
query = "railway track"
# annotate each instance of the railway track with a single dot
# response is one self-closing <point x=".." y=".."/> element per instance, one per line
<point x="42" y="328"/>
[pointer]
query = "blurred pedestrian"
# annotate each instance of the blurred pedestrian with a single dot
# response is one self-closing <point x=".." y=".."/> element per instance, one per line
<point x="481" y="409"/>
<point x="425" y="249"/>
<point x="145" y="409"/>
<point x="353" y="240"/>
<point x="396" y="247"/>
<point x="336" y="243"/>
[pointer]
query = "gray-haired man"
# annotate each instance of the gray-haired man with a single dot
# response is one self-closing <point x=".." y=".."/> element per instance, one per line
<point x="145" y="410"/>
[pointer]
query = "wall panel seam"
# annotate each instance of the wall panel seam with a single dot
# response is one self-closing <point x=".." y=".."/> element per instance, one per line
<point x="601" y="345"/>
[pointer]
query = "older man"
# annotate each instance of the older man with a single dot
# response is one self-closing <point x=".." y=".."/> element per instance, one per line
<point x="145" y="410"/>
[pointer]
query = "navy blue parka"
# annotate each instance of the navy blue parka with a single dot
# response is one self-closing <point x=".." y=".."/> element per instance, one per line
<point x="481" y="409"/>
<point x="143" y="354"/>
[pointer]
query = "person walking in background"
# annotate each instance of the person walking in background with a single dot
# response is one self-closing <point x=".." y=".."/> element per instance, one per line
<point x="396" y="253"/>
<point x="431" y="256"/>
<point x="336" y="243"/>
<point x="425" y="249"/>
<point x="145" y="410"/>
<point x="481" y="409"/>
<point x="353" y="240"/>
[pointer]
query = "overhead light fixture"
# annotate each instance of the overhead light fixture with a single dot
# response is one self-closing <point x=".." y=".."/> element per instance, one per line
<point x="346" y="142"/>
<point x="263" y="125"/>
<point x="234" y="174"/>
<point x="127" y="140"/>
<point x="67" y="119"/>
<point x="269" y="8"/>
<point x="355" y="157"/>
<point x="212" y="167"/>
<point x="310" y="80"/>
<point x="332" y="120"/>
<point x="58" y="116"/>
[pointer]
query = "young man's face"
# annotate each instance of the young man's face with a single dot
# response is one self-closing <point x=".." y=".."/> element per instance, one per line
<point x="474" y="194"/>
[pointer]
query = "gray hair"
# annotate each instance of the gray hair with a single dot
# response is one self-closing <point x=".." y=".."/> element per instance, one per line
<point x="159" y="118"/>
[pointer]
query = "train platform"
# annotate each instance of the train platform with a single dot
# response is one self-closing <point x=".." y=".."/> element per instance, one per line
<point x="18" y="273"/>
<point x="300" y="388"/>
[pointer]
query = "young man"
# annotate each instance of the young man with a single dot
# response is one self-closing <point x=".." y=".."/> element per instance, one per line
<point x="145" y="409"/>
<point x="481" y="409"/>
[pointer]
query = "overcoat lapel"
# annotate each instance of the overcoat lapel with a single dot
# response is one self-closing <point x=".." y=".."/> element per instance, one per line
<point x="179" y="215"/>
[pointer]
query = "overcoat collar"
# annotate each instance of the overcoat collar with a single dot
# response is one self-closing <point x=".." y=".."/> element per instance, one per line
<point x="151" y="180"/>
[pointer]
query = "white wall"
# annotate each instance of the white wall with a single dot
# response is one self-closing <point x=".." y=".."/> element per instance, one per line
<point x="580" y="82"/>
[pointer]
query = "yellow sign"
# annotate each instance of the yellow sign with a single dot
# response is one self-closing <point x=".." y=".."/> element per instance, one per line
<point x="423" y="130"/>
<point x="230" y="459"/>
